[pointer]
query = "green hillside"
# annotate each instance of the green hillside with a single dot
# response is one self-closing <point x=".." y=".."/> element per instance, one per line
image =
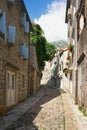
<point x="60" y="44"/>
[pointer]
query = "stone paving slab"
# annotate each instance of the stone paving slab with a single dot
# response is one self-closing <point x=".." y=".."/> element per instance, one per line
<point x="18" y="111"/>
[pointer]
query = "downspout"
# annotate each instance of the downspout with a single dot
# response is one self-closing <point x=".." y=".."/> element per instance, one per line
<point x="30" y="30"/>
<point x="29" y="63"/>
<point x="76" y="43"/>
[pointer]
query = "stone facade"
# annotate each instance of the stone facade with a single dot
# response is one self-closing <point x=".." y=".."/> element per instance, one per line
<point x="46" y="74"/>
<point x="76" y="19"/>
<point x="13" y="64"/>
<point x="34" y="70"/>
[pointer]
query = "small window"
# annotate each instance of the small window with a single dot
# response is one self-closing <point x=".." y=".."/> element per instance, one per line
<point x="26" y="29"/>
<point x="81" y="19"/>
<point x="24" y="51"/>
<point x="23" y="19"/>
<point x="11" y="34"/>
<point x="23" y="81"/>
<point x="8" y="79"/>
<point x="3" y="25"/>
<point x="60" y="67"/>
<point x="13" y="81"/>
<point x="71" y="22"/>
<point x="11" y="2"/>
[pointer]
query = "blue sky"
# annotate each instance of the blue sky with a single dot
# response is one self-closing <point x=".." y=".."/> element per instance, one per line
<point x="37" y="7"/>
<point x="50" y="15"/>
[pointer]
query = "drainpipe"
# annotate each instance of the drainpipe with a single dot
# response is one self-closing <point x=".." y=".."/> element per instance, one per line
<point x="30" y="30"/>
<point x="29" y="63"/>
<point x="76" y="43"/>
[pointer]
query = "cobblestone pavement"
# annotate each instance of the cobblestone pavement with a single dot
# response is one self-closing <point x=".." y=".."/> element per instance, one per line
<point x="46" y="114"/>
<point x="74" y="119"/>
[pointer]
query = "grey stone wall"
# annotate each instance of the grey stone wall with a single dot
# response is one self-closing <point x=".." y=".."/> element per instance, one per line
<point x="82" y="67"/>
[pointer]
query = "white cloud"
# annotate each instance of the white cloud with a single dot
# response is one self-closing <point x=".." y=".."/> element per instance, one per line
<point x="53" y="22"/>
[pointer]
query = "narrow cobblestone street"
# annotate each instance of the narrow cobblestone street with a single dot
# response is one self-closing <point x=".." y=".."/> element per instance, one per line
<point x="46" y="114"/>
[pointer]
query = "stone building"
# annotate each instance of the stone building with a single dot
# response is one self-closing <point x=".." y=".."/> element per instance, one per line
<point x="76" y="15"/>
<point x="34" y="76"/>
<point x="46" y="74"/>
<point x="64" y="70"/>
<point x="14" y="44"/>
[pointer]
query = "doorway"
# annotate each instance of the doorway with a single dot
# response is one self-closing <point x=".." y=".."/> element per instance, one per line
<point x="11" y="88"/>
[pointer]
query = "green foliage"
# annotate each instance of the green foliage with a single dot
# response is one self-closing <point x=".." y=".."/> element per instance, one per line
<point x="85" y="114"/>
<point x="50" y="51"/>
<point x="65" y="71"/>
<point x="70" y="47"/>
<point x="45" y="51"/>
<point x="80" y="108"/>
<point x="60" y="44"/>
<point x="41" y="127"/>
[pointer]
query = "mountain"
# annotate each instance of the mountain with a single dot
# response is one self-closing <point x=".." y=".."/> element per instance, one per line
<point x="60" y="44"/>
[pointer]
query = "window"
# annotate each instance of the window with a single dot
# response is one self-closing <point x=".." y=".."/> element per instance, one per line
<point x="23" y="19"/>
<point x="13" y="81"/>
<point x="11" y="34"/>
<point x="24" y="51"/>
<point x="23" y="81"/>
<point x="73" y="33"/>
<point x="26" y="27"/>
<point x="3" y="24"/>
<point x="81" y="18"/>
<point x="71" y="22"/>
<point x="8" y="80"/>
<point x="11" y="2"/>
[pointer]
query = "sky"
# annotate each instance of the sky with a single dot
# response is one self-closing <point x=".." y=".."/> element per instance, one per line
<point x="50" y="15"/>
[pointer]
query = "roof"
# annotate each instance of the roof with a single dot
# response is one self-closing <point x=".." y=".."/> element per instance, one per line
<point x="62" y="49"/>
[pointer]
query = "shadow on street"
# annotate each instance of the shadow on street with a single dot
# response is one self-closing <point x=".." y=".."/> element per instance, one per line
<point x="51" y="90"/>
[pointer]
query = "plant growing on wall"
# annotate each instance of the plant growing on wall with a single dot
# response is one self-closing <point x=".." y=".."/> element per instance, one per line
<point x="45" y="51"/>
<point x="70" y="47"/>
<point x="65" y="71"/>
<point x="68" y="56"/>
<point x="67" y="63"/>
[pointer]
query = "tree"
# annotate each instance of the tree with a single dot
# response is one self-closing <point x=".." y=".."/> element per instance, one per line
<point x="50" y="51"/>
<point x="45" y="51"/>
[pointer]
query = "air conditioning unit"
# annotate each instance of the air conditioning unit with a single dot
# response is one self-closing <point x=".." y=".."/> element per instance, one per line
<point x="69" y="13"/>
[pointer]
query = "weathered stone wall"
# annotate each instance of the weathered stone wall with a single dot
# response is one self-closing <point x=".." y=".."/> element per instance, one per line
<point x="82" y="48"/>
<point x="10" y="55"/>
<point x="80" y="89"/>
<point x="34" y="77"/>
<point x="2" y="81"/>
